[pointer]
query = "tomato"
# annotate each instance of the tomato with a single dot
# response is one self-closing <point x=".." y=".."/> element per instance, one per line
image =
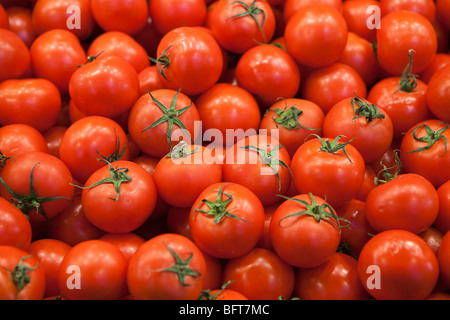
<point x="159" y="119"/>
<point x="423" y="150"/>
<point x="36" y="102"/>
<point x="226" y="108"/>
<point x="328" y="85"/>
<point x="360" y="119"/>
<point x="149" y="80"/>
<point x="15" y="56"/>
<point x="189" y="59"/>
<point x="293" y="121"/>
<point x="442" y="221"/>
<point x="265" y="241"/>
<point x="54" y="54"/>
<point x="184" y="173"/>
<point x="426" y="8"/>
<point x="226" y="220"/>
<point x="222" y="294"/>
<point x="128" y="242"/>
<point x="126" y="16"/>
<point x="16" y="228"/>
<point x="321" y="164"/>
<point x="433" y="238"/>
<point x="39" y="184"/>
<point x="394" y="41"/>
<point x="438" y="93"/>
<point x="49" y="253"/>
<point x="166" y="267"/>
<point x="20" y="22"/>
<point x="406" y="201"/>
<point x="358" y="15"/>
<point x="213" y="275"/>
<point x="368" y="183"/>
<point x="107" y="86"/>
<point x="336" y="279"/>
<point x="269" y="73"/>
<point x="148" y="37"/>
<point x="316" y="35"/>
<point x="168" y="15"/>
<point x="398" y="265"/>
<point x="291" y="7"/>
<point x="4" y="22"/>
<point x="260" y="275"/>
<point x="442" y="12"/>
<point x="119" y="197"/>
<point x="93" y="270"/>
<point x="22" y="277"/>
<point x="305" y="231"/>
<point x="53" y="136"/>
<point x="49" y="14"/>
<point x="444" y="259"/>
<point x="87" y="140"/>
<point x="240" y="25"/>
<point x="261" y="164"/>
<point x="440" y="60"/>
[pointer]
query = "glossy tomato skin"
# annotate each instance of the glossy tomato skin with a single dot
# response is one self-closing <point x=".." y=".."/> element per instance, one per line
<point x="260" y="275"/>
<point x="20" y="22"/>
<point x="438" y="93"/>
<point x="123" y="210"/>
<point x="442" y="221"/>
<point x="394" y="41"/>
<point x="336" y="279"/>
<point x="357" y="14"/>
<point x="316" y="35"/>
<point x="36" y="102"/>
<point x="431" y="163"/>
<point x="290" y="7"/>
<point x="148" y="277"/>
<point x="100" y="272"/>
<point x="408" y="202"/>
<point x="16" y="228"/>
<point x="439" y="61"/>
<point x="149" y="80"/>
<point x="240" y="226"/>
<point x="426" y="8"/>
<point x="127" y="242"/>
<point x="398" y="265"/>
<point x="15" y="56"/>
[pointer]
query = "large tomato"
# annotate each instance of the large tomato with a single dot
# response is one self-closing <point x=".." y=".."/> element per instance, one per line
<point x="438" y="93"/>
<point x="16" y="228"/>
<point x="358" y="14"/>
<point x="290" y="7"/>
<point x="398" y="265"/>
<point x="14" y="55"/>
<point x="20" y="22"/>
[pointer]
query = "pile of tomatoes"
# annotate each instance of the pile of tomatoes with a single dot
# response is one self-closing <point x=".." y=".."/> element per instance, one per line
<point x="224" y="149"/>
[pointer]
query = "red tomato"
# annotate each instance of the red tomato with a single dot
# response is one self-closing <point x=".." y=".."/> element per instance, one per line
<point x="305" y="231"/>
<point x="14" y="55"/>
<point x="178" y="221"/>
<point x="320" y="165"/>
<point x="214" y="270"/>
<point x="22" y="277"/>
<point x="222" y="294"/>
<point x="316" y="35"/>
<point x="394" y="41"/>
<point x="149" y="80"/>
<point x="336" y="279"/>
<point x="53" y="136"/>
<point x="127" y="16"/>
<point x="443" y="12"/>
<point x="35" y="102"/>
<point x="226" y="220"/>
<point x="93" y="270"/>
<point x="368" y="183"/>
<point x="4" y="22"/>
<point x="16" y="228"/>
<point x="398" y="265"/>
<point x="260" y="275"/>
<point x="166" y="267"/>
<point x="439" y="61"/>
<point x="444" y="259"/>
<point x="359" y="15"/>
<point x="438" y="93"/>
<point x="128" y="242"/>
<point x="291" y="7"/>
<point x="442" y="221"/>
<point x="433" y="238"/>
<point x="426" y="8"/>
<point x="20" y="22"/>
<point x="240" y="25"/>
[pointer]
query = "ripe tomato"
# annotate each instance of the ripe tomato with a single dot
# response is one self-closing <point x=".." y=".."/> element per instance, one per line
<point x="166" y="267"/>
<point x="184" y="173"/>
<point x="440" y="60"/>
<point x="443" y="12"/>
<point x="444" y="259"/>
<point x="305" y="231"/>
<point x="22" y="277"/>
<point x="14" y="55"/>
<point x="16" y="228"/>
<point x="190" y="59"/>
<point x="394" y="41"/>
<point x="53" y="136"/>
<point x="359" y="119"/>
<point x="291" y="7"/>
<point x="149" y="80"/>
<point x="93" y="270"/>
<point x="20" y="22"/>
<point x="368" y="183"/>
<point x="438" y="93"/>
<point x="269" y="73"/>
<point x="426" y="8"/>
<point x="433" y="238"/>
<point x="39" y="184"/>
<point x="336" y="279"/>
<point x="119" y="197"/>
<point x="240" y="25"/>
<point x="407" y="201"/>
<point x="357" y="14"/>
<point x="398" y="265"/>
<point x="320" y="165"/>
<point x="127" y="242"/>
<point x="222" y="294"/>
<point x="226" y="220"/>
<point x="442" y="221"/>
<point x="4" y="22"/>
<point x="178" y="221"/>
<point x="260" y="275"/>
<point x="35" y="102"/>
<point x="316" y="35"/>
<point x="260" y="163"/>
<point x="159" y="119"/>
<point x="424" y="150"/>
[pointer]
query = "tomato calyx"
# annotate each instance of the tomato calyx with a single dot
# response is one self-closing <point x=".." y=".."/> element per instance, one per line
<point x="206" y="294"/>
<point x="181" y="150"/>
<point x="251" y="10"/>
<point x="26" y="203"/>
<point x="288" y="118"/>
<point x="365" y="109"/>
<point x="269" y="158"/>
<point x="181" y="268"/>
<point x="162" y="62"/>
<point x="431" y="137"/>
<point x="170" y="116"/>
<point x="3" y="159"/>
<point x="218" y="209"/>
<point x="89" y="60"/>
<point x="117" y="155"/>
<point x="20" y="274"/>
<point x="333" y="147"/>
<point x="319" y="212"/>
<point x="408" y="81"/>
<point x="387" y="175"/>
